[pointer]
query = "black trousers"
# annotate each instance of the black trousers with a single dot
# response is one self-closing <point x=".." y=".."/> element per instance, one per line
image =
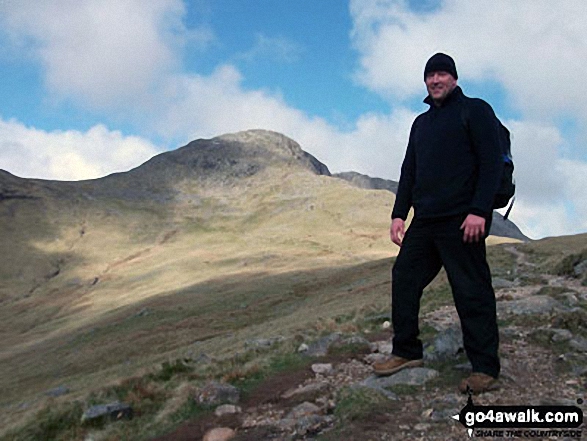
<point x="427" y="246"/>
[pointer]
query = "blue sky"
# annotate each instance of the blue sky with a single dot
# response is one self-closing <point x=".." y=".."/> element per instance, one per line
<point x="90" y="87"/>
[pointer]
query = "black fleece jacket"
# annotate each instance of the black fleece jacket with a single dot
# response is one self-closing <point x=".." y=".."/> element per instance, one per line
<point x="453" y="163"/>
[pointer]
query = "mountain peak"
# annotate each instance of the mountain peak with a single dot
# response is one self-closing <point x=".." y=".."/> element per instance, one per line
<point x="273" y="146"/>
<point x="233" y="156"/>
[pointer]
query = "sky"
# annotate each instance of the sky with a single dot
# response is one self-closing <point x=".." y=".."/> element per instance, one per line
<point x="92" y="87"/>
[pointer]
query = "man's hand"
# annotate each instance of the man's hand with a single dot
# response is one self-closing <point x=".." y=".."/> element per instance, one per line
<point x="397" y="231"/>
<point x="474" y="227"/>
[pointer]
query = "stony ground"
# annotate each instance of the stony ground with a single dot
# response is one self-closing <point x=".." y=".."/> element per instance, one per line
<point x="336" y="397"/>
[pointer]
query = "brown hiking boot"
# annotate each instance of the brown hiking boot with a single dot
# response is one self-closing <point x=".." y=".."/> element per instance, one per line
<point x="394" y="364"/>
<point x="478" y="382"/>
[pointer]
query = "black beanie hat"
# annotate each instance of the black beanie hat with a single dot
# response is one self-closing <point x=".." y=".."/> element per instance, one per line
<point x="441" y="62"/>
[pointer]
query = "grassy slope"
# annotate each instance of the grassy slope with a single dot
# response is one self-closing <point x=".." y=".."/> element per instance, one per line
<point x="275" y="255"/>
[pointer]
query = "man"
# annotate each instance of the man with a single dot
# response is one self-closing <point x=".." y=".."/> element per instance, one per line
<point x="450" y="174"/>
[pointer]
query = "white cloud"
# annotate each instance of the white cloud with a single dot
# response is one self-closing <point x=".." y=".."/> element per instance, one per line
<point x="69" y="155"/>
<point x="206" y="106"/>
<point x="534" y="48"/>
<point x="101" y="52"/>
<point x="278" y="49"/>
<point x="549" y="189"/>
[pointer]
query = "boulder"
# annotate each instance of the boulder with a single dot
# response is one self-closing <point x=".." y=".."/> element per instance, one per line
<point x="263" y="343"/>
<point x="113" y="411"/>
<point x="538" y="304"/>
<point x="219" y="434"/>
<point x="303" y="348"/>
<point x="227" y="409"/>
<point x="580" y="268"/>
<point x="579" y="343"/>
<point x="57" y="392"/>
<point x="411" y="377"/>
<point x="322" y="368"/>
<point x="214" y="393"/>
<point x="499" y="283"/>
<point x="304" y="409"/>
<point x="309" y="391"/>
<point x="382" y="347"/>
<point x="320" y="347"/>
<point x="445" y="346"/>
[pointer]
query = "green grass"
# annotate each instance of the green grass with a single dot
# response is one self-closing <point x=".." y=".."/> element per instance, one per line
<point x="404" y="389"/>
<point x="554" y="291"/>
<point x="359" y="404"/>
<point x="246" y="382"/>
<point x="502" y="262"/>
<point x="190" y="410"/>
<point x="59" y="422"/>
<point x="448" y="377"/>
<point x="574" y="320"/>
<point x="566" y="265"/>
<point x="551" y="255"/>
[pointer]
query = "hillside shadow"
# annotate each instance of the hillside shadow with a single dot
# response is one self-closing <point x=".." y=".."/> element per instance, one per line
<point x="215" y="317"/>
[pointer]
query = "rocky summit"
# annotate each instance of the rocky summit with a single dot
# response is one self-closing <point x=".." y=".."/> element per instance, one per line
<point x="228" y="158"/>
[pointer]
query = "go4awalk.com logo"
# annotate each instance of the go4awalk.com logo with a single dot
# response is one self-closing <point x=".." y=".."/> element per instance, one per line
<point x="521" y="421"/>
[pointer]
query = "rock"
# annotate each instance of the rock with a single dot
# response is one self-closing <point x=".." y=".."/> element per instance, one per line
<point x="375" y="358"/>
<point x="579" y="343"/>
<point x="355" y="340"/>
<point x="143" y="312"/>
<point x="538" y="304"/>
<point x="57" y="392"/>
<point x="261" y="343"/>
<point x="422" y="427"/>
<point x="311" y="424"/>
<point x="214" y="393"/>
<point x="512" y="332"/>
<point x="569" y="298"/>
<point x="309" y="392"/>
<point x="322" y="368"/>
<point x="411" y="376"/>
<point x="219" y="434"/>
<point x="445" y="346"/>
<point x="559" y="335"/>
<point x="304" y="409"/>
<point x="545" y="334"/>
<point x="378" y="318"/>
<point x="443" y="415"/>
<point x="303" y="348"/>
<point x="227" y="409"/>
<point x="373" y="385"/>
<point x="190" y="356"/>
<point x="580" y="268"/>
<point x="383" y="347"/>
<point x="113" y="411"/>
<point x="320" y="347"/>
<point x="499" y="283"/>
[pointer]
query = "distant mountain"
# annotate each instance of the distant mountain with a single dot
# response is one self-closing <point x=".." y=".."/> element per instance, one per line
<point x="499" y="226"/>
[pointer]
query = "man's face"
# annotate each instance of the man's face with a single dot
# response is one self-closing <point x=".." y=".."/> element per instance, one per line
<point x="439" y="85"/>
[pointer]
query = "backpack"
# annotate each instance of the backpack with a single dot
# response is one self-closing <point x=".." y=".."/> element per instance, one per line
<point x="507" y="185"/>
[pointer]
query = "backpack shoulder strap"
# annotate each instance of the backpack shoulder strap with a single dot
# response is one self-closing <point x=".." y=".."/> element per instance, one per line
<point x="465" y="117"/>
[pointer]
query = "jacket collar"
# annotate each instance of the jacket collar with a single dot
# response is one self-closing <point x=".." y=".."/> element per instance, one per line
<point x="453" y="96"/>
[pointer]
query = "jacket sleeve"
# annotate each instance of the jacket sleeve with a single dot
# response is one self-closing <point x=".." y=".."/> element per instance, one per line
<point x="484" y="134"/>
<point x="403" y="198"/>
